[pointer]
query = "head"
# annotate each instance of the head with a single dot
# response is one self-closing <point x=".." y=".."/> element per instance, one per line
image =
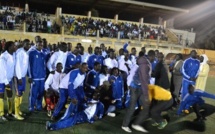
<point x="102" y="46"/>
<point x="133" y="51"/>
<point x="81" y="50"/>
<point x="37" y="38"/>
<point x="78" y="45"/>
<point x="191" y="88"/>
<point x="112" y="54"/>
<point x="151" y="55"/>
<point x="83" y="68"/>
<point x="115" y="71"/>
<point x="44" y="43"/>
<point x="26" y="44"/>
<point x="63" y="46"/>
<point x="76" y="51"/>
<point x="96" y="95"/>
<point x="156" y="53"/>
<point x="203" y="58"/>
<point x="143" y="49"/>
<point x="160" y="57"/>
<point x="126" y="54"/>
<point x="178" y="57"/>
<point x="59" y="67"/>
<point x="104" y="70"/>
<point x="10" y="47"/>
<point x="96" y="51"/>
<point x="90" y="50"/>
<point x="97" y="66"/>
<point x="193" y="54"/>
<point x="121" y="51"/>
<point x="39" y="45"/>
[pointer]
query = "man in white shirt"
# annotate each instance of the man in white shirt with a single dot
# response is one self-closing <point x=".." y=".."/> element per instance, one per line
<point x="111" y="61"/>
<point x="52" y="88"/>
<point x="125" y="64"/>
<point x="104" y="53"/>
<point x="59" y="56"/>
<point x="21" y="68"/>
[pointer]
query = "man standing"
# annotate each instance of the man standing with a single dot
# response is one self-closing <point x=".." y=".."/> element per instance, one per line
<point x="21" y="68"/>
<point x="190" y="71"/>
<point x="138" y="84"/>
<point x="7" y="64"/>
<point x="37" y="73"/>
<point x="111" y="61"/>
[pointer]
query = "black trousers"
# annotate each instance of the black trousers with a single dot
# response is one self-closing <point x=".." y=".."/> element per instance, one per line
<point x="157" y="107"/>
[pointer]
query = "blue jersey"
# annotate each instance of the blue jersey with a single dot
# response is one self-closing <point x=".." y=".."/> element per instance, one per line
<point x="195" y="98"/>
<point x="92" y="59"/>
<point x="70" y="62"/>
<point x="101" y="59"/>
<point x="154" y="63"/>
<point x="37" y="65"/>
<point x="190" y="68"/>
<point x="117" y="86"/>
<point x="78" y="59"/>
<point x="93" y="78"/>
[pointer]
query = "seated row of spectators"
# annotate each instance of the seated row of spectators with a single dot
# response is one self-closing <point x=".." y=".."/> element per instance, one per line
<point x="89" y="27"/>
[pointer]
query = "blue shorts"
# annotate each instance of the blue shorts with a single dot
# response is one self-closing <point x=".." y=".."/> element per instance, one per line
<point x="2" y="86"/>
<point x="21" y="88"/>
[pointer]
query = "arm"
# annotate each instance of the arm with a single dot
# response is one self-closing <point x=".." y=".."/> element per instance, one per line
<point x="48" y="82"/>
<point x="89" y="79"/>
<point x="125" y="47"/>
<point x="18" y="69"/>
<point x="204" y="94"/>
<point x="183" y="69"/>
<point x="71" y="90"/>
<point x="3" y="75"/>
<point x="51" y="62"/>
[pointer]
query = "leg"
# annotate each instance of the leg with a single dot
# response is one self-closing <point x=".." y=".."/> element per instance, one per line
<point x="33" y="95"/>
<point x="61" y="102"/>
<point x="40" y="94"/>
<point x="69" y="111"/>
<point x="131" y="108"/>
<point x="184" y="91"/>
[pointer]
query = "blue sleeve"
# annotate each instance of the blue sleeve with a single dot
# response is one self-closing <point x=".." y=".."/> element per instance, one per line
<point x="125" y="47"/>
<point x="184" y="69"/>
<point x="201" y="93"/>
<point x="113" y="86"/>
<point x="71" y="90"/>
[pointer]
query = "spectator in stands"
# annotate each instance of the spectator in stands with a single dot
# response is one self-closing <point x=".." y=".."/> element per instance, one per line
<point x="203" y="73"/>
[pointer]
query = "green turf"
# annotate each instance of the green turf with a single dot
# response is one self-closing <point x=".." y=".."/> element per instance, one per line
<point x="35" y="124"/>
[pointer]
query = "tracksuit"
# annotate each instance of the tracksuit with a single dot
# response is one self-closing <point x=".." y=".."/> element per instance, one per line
<point x="70" y="86"/>
<point x="190" y="69"/>
<point x="37" y="72"/>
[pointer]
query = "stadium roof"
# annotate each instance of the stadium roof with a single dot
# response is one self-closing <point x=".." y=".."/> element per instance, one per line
<point x="143" y="9"/>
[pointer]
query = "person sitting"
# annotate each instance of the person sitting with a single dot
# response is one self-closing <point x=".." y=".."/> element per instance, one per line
<point x="52" y="88"/>
<point x="194" y="99"/>
<point x="93" y="112"/>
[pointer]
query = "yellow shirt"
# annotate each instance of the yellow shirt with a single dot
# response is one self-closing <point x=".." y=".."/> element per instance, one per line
<point x="159" y="93"/>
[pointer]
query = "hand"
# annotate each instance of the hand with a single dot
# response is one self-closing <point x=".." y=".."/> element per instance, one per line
<point x="7" y="86"/>
<point x="193" y="79"/>
<point x="20" y="81"/>
<point x="95" y="117"/>
<point x="30" y="80"/>
<point x="74" y="101"/>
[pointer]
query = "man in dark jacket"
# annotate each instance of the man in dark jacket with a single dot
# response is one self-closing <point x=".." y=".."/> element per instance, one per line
<point x="138" y="81"/>
<point x="160" y="73"/>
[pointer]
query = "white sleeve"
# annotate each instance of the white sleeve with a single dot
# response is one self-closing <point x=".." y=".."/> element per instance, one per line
<point x="18" y="70"/>
<point x="3" y="76"/>
<point x="51" y="61"/>
<point x="48" y="82"/>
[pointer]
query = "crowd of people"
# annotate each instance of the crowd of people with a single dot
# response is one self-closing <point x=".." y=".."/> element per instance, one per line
<point x="107" y="28"/>
<point x="91" y="85"/>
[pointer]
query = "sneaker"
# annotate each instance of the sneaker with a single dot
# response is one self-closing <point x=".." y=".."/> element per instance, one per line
<point x="126" y="129"/>
<point x="111" y="114"/>
<point x="162" y="125"/>
<point x="139" y="128"/>
<point x="3" y="119"/>
<point x="49" y="113"/>
<point x="154" y="124"/>
<point x="48" y="125"/>
<point x="10" y="115"/>
<point x="18" y="117"/>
